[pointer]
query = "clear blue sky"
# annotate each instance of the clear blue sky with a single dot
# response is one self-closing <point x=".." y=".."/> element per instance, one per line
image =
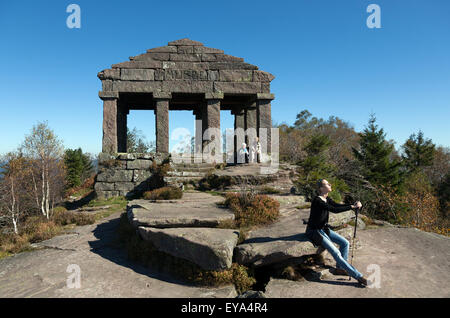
<point x="323" y="55"/>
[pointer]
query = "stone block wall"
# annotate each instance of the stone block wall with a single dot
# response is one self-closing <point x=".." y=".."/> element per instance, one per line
<point x="185" y="66"/>
<point x="124" y="174"/>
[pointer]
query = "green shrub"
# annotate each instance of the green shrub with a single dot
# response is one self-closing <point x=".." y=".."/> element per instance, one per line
<point x="214" y="182"/>
<point x="158" y="173"/>
<point x="165" y="193"/>
<point x="252" y="209"/>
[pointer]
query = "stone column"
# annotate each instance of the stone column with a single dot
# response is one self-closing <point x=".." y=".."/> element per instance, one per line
<point x="122" y="112"/>
<point x="250" y="127"/>
<point x="264" y="120"/>
<point x="110" y="141"/>
<point x="198" y="132"/>
<point x="239" y="132"/>
<point x="162" y="121"/>
<point x="211" y="125"/>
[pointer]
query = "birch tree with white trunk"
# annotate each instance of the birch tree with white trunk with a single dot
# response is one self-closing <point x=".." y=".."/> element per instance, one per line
<point x="14" y="188"/>
<point x="46" y="150"/>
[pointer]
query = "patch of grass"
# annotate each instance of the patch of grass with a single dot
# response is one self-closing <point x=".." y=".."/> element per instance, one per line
<point x="239" y="275"/>
<point x="165" y="193"/>
<point x="82" y="190"/>
<point x="243" y="234"/>
<point x="145" y="253"/>
<point x="159" y="171"/>
<point x="11" y="244"/>
<point x="35" y="229"/>
<point x="111" y="163"/>
<point x="215" y="193"/>
<point x="220" y="166"/>
<point x="42" y="230"/>
<point x="115" y="204"/>
<point x="368" y="220"/>
<point x="304" y="206"/>
<point x="4" y="254"/>
<point x="291" y="273"/>
<point x="227" y="224"/>
<point x="61" y="217"/>
<point x="120" y="200"/>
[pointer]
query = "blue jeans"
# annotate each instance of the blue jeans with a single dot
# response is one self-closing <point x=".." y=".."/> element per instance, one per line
<point x="341" y="255"/>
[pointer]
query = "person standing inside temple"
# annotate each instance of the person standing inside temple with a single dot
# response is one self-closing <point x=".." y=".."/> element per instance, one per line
<point x="319" y="233"/>
<point x="255" y="151"/>
<point x="243" y="154"/>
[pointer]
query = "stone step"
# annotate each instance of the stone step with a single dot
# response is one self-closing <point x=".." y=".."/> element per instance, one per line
<point x="199" y="170"/>
<point x="185" y="174"/>
<point x="181" y="179"/>
<point x="192" y="165"/>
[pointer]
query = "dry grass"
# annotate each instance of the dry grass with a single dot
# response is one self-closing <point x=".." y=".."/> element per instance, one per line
<point x="77" y="218"/>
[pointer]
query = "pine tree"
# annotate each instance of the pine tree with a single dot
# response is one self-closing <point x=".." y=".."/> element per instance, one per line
<point x="316" y="160"/>
<point x="136" y="142"/>
<point x="374" y="156"/>
<point x="78" y="165"/>
<point x="418" y="152"/>
<point x="316" y="166"/>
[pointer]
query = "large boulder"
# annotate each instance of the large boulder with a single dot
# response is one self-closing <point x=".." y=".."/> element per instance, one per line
<point x="266" y="251"/>
<point x="209" y="248"/>
<point x="338" y="219"/>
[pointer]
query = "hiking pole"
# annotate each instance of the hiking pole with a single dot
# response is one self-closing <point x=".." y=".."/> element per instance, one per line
<point x="354" y="236"/>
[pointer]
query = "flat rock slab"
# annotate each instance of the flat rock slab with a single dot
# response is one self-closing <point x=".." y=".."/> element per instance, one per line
<point x="195" y="209"/>
<point x="211" y="249"/>
<point x="410" y="262"/>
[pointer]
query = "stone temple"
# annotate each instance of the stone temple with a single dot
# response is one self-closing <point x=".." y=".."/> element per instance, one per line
<point x="186" y="75"/>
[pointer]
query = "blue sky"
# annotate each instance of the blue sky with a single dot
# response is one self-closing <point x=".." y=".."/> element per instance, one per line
<point x="323" y="55"/>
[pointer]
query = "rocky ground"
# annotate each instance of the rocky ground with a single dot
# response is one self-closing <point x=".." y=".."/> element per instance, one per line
<point x="104" y="268"/>
<point x="411" y="263"/>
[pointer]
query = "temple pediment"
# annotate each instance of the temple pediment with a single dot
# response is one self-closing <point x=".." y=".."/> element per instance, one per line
<point x="185" y="66"/>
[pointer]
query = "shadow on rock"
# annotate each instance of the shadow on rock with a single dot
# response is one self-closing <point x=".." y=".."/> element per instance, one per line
<point x="109" y="247"/>
<point x="343" y="282"/>
<point x="301" y="237"/>
<point x="81" y="202"/>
